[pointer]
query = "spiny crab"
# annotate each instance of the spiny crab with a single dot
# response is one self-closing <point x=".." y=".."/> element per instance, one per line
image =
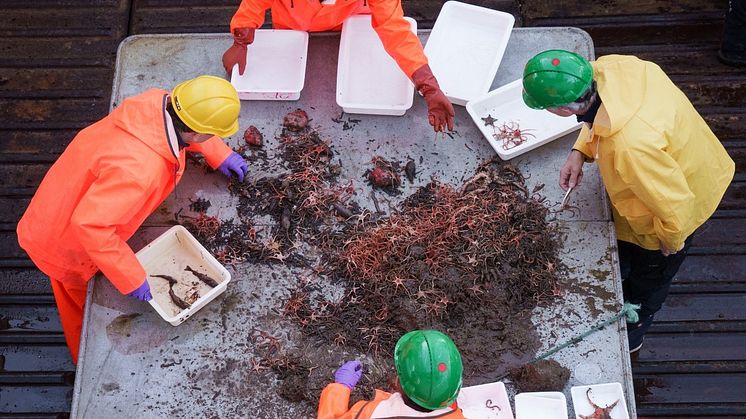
<point x="598" y="412"/>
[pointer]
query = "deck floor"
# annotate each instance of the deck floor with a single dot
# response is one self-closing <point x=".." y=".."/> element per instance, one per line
<point x="56" y="67"/>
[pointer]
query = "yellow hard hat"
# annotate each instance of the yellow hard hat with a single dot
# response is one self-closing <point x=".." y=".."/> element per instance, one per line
<point x="207" y="105"/>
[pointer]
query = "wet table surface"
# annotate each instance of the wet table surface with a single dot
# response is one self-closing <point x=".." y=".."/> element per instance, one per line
<point x="134" y="363"/>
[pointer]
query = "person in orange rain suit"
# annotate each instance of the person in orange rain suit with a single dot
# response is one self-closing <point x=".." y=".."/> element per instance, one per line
<point x="316" y="15"/>
<point x="429" y="377"/>
<point x="113" y="175"/>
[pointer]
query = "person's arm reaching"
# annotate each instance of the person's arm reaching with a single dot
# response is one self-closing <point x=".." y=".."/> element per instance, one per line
<point x="250" y="14"/>
<point x="571" y="173"/>
<point x="387" y="17"/>
<point x="248" y="17"/>
<point x="335" y="398"/>
<point x="221" y="157"/>
<point x="111" y="200"/>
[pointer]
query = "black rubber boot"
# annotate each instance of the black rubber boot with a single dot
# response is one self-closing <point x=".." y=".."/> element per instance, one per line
<point x="733" y="43"/>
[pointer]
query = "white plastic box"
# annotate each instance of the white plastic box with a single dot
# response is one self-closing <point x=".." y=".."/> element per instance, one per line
<point x="369" y="81"/>
<point x="170" y="254"/>
<point x="465" y="48"/>
<point x="506" y="105"/>
<point x="541" y="405"/>
<point x="603" y="395"/>
<point x="485" y="401"/>
<point x="275" y="66"/>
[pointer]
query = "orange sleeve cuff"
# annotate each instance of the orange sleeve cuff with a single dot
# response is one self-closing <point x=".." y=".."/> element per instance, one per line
<point x="214" y="150"/>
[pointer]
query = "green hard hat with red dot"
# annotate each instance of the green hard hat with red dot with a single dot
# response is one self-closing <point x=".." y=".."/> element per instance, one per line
<point x="555" y="78"/>
<point x="429" y="368"/>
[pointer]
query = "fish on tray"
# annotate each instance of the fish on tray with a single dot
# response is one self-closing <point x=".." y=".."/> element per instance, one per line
<point x="175" y="298"/>
<point x="202" y="277"/>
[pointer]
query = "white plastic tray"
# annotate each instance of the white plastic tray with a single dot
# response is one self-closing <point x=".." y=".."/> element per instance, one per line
<point x="602" y="395"/>
<point x="465" y="48"/>
<point x="541" y="405"/>
<point x="505" y="104"/>
<point x="368" y="80"/>
<point x="275" y="66"/>
<point x="169" y="254"/>
<point x="474" y="401"/>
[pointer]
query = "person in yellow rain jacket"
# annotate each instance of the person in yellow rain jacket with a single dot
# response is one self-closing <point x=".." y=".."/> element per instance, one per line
<point x="328" y="15"/>
<point x="663" y="168"/>
<point x="429" y="370"/>
<point x="111" y="177"/>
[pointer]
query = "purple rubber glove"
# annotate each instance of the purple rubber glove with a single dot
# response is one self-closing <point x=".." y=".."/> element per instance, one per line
<point x="142" y="293"/>
<point x="349" y="374"/>
<point x="236" y="164"/>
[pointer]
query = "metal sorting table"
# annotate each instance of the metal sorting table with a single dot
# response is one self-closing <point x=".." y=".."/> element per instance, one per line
<point x="134" y="363"/>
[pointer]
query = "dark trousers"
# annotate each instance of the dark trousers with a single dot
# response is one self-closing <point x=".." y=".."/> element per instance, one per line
<point x="646" y="278"/>
<point x="733" y="42"/>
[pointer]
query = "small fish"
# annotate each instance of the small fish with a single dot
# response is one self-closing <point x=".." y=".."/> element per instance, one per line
<point x="202" y="277"/>
<point x="342" y="210"/>
<point x="175" y="298"/>
<point x="171" y="280"/>
<point x="178" y="301"/>
<point x="410" y="170"/>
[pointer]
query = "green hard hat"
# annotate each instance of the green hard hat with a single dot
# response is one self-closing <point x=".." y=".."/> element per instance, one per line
<point x="429" y="367"/>
<point x="555" y="78"/>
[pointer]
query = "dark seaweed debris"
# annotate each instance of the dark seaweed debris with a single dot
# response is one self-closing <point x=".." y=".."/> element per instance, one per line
<point x="200" y="205"/>
<point x="410" y="169"/>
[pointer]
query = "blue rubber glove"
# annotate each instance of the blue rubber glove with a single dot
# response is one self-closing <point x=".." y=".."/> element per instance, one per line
<point x="236" y="164"/>
<point x="142" y="293"/>
<point x="349" y="374"/>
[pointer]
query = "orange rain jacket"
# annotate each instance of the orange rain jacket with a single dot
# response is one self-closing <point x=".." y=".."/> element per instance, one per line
<point x="110" y="178"/>
<point x="312" y="16"/>
<point x="335" y="402"/>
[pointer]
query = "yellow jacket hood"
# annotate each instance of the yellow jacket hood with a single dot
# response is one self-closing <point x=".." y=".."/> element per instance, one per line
<point x="663" y="168"/>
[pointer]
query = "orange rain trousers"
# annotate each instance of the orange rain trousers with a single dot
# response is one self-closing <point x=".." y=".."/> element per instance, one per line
<point x="111" y="177"/>
<point x="310" y="15"/>
<point x="69" y="287"/>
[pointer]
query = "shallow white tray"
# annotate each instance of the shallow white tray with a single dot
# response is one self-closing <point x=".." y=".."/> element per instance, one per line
<point x="505" y="104"/>
<point x="474" y="401"/>
<point x="275" y="66"/>
<point x="541" y="405"/>
<point x="368" y="80"/>
<point x="602" y="395"/>
<point x="169" y="254"/>
<point x="465" y="48"/>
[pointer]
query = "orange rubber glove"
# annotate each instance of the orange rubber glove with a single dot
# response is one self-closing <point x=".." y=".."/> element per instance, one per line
<point x="439" y="109"/>
<point x="236" y="54"/>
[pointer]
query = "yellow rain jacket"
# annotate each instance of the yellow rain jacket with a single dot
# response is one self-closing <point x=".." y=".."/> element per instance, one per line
<point x="663" y="168"/>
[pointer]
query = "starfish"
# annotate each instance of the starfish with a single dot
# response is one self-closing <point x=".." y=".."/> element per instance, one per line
<point x="489" y="120"/>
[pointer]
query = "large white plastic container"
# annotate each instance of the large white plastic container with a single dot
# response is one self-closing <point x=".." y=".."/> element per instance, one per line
<point x="541" y="405"/>
<point x="506" y="105"/>
<point x="485" y="401"/>
<point x="602" y="395"/>
<point x="368" y="80"/>
<point x="170" y="254"/>
<point x="275" y="66"/>
<point x="465" y="48"/>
